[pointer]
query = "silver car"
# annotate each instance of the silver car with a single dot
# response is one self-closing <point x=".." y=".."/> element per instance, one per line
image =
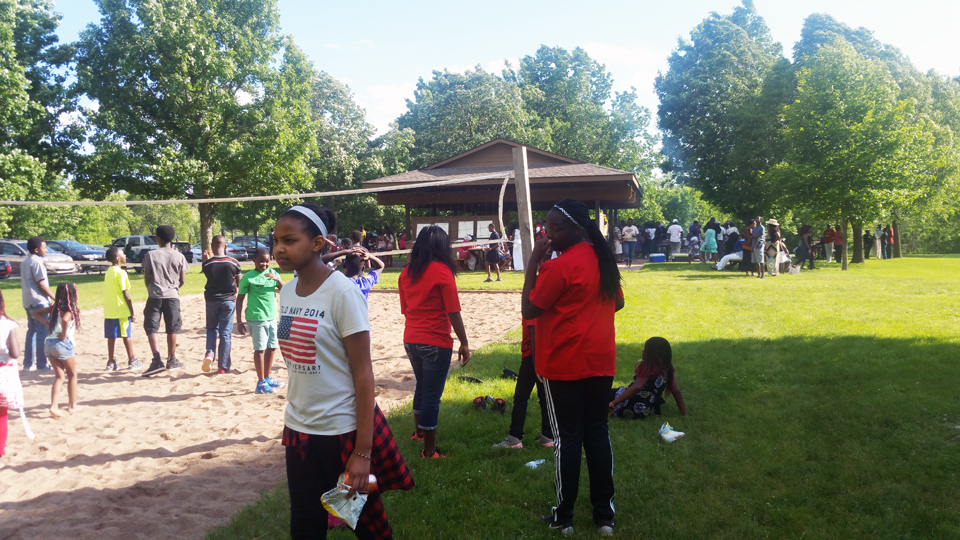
<point x="15" y="251"/>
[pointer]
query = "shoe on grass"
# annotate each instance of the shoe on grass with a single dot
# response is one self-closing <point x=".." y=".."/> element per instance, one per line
<point x="417" y="436"/>
<point x="509" y="442"/>
<point x="605" y="528"/>
<point x="263" y="387"/>
<point x="437" y="454"/>
<point x="273" y="382"/>
<point x="156" y="366"/>
<point x="545" y="441"/>
<point x="565" y="527"/>
<point x="134" y="364"/>
<point x="173" y="363"/>
<point x="207" y="360"/>
<point x="488" y="280"/>
<point x="499" y="279"/>
<point x="112" y="365"/>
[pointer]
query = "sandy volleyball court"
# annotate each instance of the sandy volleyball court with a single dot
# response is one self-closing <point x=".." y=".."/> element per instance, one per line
<point x="175" y="454"/>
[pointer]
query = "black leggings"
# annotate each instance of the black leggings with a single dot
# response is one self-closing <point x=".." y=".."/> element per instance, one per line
<point x="521" y="395"/>
<point x="310" y="478"/>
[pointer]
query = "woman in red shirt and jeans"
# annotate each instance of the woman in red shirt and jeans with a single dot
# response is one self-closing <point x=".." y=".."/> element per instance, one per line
<point x="428" y="299"/>
<point x="574" y="298"/>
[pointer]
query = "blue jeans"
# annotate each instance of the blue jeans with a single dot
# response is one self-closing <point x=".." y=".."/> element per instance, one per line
<point x="220" y="324"/>
<point x="629" y="248"/>
<point x="888" y="251"/>
<point x="33" y="348"/>
<point x="430" y="366"/>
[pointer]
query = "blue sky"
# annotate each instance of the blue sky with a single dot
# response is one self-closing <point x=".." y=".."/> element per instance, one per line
<point x="381" y="48"/>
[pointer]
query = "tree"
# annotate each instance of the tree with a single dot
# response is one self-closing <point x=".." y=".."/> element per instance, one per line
<point x="454" y="112"/>
<point x="191" y="103"/>
<point x="855" y="149"/>
<point x="719" y="102"/>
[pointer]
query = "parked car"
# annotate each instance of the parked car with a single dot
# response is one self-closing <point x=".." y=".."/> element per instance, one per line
<point x="5" y="269"/>
<point x="251" y="246"/>
<point x="262" y="239"/>
<point x="184" y="248"/>
<point x="234" y="251"/>
<point x="79" y="252"/>
<point x="14" y="251"/>
<point x="135" y="247"/>
<point x="197" y="253"/>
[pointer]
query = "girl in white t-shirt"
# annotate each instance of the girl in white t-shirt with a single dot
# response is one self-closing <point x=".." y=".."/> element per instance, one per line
<point x="332" y="425"/>
<point x="11" y="393"/>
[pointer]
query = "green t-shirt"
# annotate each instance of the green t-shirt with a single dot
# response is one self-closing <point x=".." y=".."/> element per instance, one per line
<point x="114" y="283"/>
<point x="261" y="298"/>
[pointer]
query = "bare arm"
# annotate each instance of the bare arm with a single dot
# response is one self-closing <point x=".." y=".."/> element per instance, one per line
<point x="358" y="467"/>
<point x="620" y="303"/>
<point x="240" y="326"/>
<point x="335" y="255"/>
<point x="631" y="391"/>
<point x="463" y="353"/>
<point x="375" y="261"/>
<point x="540" y="248"/>
<point x="13" y="346"/>
<point x="129" y="301"/>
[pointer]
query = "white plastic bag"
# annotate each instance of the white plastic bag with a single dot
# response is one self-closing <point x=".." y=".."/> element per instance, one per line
<point x="669" y="434"/>
<point x="337" y="503"/>
<point x="795" y="270"/>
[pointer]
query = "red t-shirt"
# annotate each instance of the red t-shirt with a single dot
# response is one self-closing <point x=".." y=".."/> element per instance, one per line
<point x="829" y="235"/>
<point x="427" y="303"/>
<point x="575" y="335"/>
<point x="526" y="344"/>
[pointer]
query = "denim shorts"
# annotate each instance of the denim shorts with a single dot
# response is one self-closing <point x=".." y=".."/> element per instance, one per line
<point x="58" y="349"/>
<point x="264" y="334"/>
<point x="430" y="366"/>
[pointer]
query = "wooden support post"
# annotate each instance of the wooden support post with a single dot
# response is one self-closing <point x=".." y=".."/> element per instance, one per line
<point x="524" y="211"/>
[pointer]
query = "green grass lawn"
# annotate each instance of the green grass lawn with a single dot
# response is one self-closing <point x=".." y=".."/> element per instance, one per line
<point x="822" y="406"/>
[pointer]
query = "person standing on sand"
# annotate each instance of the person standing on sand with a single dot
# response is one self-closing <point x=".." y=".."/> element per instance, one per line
<point x="574" y="298"/>
<point x="164" y="272"/>
<point x="220" y="294"/>
<point x="118" y="315"/>
<point x="261" y="285"/>
<point x="36" y="301"/>
<point x="60" y="344"/>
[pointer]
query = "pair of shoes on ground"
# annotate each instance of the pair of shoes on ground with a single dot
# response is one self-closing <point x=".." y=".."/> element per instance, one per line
<point x="605" y="528"/>
<point x="512" y="442"/>
<point x="156" y="365"/>
<point x="267" y="385"/>
<point x="131" y="364"/>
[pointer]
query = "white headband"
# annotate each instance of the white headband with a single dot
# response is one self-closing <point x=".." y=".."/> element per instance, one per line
<point x="313" y="217"/>
<point x="567" y="214"/>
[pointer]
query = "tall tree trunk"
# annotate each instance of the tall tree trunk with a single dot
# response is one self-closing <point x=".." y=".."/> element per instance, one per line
<point x="208" y="213"/>
<point x="857" y="243"/>
<point x="843" y="234"/>
<point x="896" y="240"/>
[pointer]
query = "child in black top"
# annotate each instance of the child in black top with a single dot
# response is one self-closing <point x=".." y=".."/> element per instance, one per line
<point x="653" y="377"/>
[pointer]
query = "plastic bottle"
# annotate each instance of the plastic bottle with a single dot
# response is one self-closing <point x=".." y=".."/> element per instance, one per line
<point x="535" y="464"/>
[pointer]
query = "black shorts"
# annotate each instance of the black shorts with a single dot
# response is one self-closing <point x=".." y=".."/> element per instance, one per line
<point x="169" y="308"/>
<point x="493" y="257"/>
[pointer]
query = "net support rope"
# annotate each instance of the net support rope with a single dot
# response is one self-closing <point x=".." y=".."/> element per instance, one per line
<point x="437" y="183"/>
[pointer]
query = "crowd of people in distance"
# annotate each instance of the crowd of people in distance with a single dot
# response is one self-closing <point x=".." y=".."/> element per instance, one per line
<point x="758" y="251"/>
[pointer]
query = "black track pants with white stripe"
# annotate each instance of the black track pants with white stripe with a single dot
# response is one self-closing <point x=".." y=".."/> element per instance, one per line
<point x="578" y="416"/>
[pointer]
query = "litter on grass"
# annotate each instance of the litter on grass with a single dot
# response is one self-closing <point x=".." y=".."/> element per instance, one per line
<point x="668" y="433"/>
<point x="346" y="508"/>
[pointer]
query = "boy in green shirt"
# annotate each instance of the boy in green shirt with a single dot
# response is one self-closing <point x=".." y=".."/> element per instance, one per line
<point x="261" y="284"/>
<point x="118" y="309"/>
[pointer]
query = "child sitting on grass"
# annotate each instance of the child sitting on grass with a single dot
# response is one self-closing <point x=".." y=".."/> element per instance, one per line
<point x="653" y="377"/>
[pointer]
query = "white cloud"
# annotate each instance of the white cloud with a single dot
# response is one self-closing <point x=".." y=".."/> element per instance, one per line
<point x="385" y="103"/>
<point x="334" y="46"/>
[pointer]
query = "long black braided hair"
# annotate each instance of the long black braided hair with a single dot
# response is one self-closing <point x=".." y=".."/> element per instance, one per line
<point x="609" y="272"/>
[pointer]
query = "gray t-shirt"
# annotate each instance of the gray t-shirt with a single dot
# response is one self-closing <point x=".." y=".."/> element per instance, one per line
<point x="32" y="272"/>
<point x="165" y="264"/>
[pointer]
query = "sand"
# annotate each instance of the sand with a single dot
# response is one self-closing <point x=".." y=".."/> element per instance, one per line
<point x="181" y="452"/>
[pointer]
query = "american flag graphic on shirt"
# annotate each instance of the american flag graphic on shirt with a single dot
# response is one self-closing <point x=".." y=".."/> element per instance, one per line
<point x="296" y="339"/>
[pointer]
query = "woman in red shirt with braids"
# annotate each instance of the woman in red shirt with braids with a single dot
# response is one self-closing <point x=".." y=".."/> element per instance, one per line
<point x="574" y="298"/>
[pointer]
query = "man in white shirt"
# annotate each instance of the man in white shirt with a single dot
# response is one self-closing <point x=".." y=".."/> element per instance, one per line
<point x="674" y="233"/>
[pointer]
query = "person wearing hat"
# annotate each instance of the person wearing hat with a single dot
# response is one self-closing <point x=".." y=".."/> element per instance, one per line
<point x="674" y="236"/>
<point x="774" y="248"/>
